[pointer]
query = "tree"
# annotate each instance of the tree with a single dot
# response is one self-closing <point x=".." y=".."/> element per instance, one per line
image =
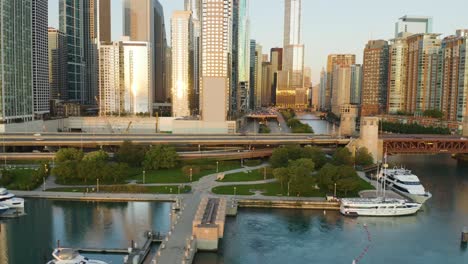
<point x="363" y="157"/>
<point x="316" y="155"/>
<point x="65" y="171"/>
<point x="279" y="158"/>
<point x="96" y="156"/>
<point x="282" y="176"/>
<point x="160" y="157"/>
<point x="131" y="154"/>
<point x="68" y="154"/>
<point x="343" y="156"/>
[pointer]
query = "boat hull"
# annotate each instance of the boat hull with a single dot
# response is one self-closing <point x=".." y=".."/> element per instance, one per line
<point x="379" y="212"/>
<point x="414" y="197"/>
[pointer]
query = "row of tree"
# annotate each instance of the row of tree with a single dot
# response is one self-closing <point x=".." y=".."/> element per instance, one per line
<point x="304" y="169"/>
<point x="296" y="126"/>
<point x="74" y="166"/>
<point x="7" y="178"/>
<point x="413" y="129"/>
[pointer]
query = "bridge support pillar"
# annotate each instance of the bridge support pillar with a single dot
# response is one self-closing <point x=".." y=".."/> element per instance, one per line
<point x="369" y="137"/>
<point x="465" y="127"/>
<point x="349" y="114"/>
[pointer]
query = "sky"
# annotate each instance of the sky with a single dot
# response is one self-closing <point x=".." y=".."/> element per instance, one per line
<point x="329" y="26"/>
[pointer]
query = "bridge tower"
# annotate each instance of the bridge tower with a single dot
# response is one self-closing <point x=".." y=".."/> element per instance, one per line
<point x="349" y="114"/>
<point x="369" y="137"/>
<point x="465" y="127"/>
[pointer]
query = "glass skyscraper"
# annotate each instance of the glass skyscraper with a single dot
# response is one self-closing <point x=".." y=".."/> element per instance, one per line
<point x="16" y="95"/>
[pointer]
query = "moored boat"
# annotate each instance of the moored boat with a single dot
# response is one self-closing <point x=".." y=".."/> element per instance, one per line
<point x="71" y="256"/>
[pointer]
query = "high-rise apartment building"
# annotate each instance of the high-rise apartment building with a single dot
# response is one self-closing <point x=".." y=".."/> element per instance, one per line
<point x="71" y="23"/>
<point x="335" y="60"/>
<point x="125" y="78"/>
<point x="256" y="75"/>
<point x="57" y="43"/>
<point x="323" y="89"/>
<point x="41" y="89"/>
<point x="216" y="54"/>
<point x="397" y="70"/>
<point x="182" y="78"/>
<point x="408" y="25"/>
<point x="421" y="79"/>
<point x="292" y="94"/>
<point x="375" y="78"/>
<point x="144" y="21"/>
<point x="16" y="84"/>
<point x="96" y="28"/>
<point x="341" y="88"/>
<point x="194" y="7"/>
<point x="276" y="59"/>
<point x="241" y="88"/>
<point x="356" y="84"/>
<point x="453" y="74"/>
<point x="267" y="71"/>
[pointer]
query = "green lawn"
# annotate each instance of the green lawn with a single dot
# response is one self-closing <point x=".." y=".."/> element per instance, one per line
<point x="22" y="180"/>
<point x="200" y="168"/>
<point x="168" y="189"/>
<point x="274" y="189"/>
<point x="255" y="175"/>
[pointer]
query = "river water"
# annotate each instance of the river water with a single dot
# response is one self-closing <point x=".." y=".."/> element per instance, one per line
<point x="263" y="235"/>
<point x="30" y="239"/>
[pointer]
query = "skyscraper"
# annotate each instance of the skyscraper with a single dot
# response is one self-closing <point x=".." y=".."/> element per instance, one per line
<point x="421" y="78"/>
<point x="375" y="78"/>
<point x="41" y="89"/>
<point x="276" y="58"/>
<point x="111" y="79"/>
<point x="356" y="84"/>
<point x="194" y="7"/>
<point x="181" y="68"/>
<point x="454" y="77"/>
<point x="216" y="41"/>
<point x="323" y="89"/>
<point x="57" y="64"/>
<point x="241" y="57"/>
<point x="16" y="85"/>
<point x="256" y="93"/>
<point x="96" y="28"/>
<point x="398" y="59"/>
<point x="71" y="23"/>
<point x="144" y="21"/>
<point x="292" y="87"/>
<point x="408" y="25"/>
<point x="334" y="60"/>
<point x="341" y="88"/>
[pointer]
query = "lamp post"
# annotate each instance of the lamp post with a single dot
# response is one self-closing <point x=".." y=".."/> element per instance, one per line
<point x="191" y="174"/>
<point x="335" y="191"/>
<point x="44" y="186"/>
<point x="97" y="185"/>
<point x="217" y="166"/>
<point x="264" y="173"/>
<point x="235" y="189"/>
<point x="289" y="182"/>
<point x="144" y="176"/>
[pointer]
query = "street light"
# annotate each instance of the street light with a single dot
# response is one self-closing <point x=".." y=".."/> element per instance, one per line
<point x="97" y="185"/>
<point x="144" y="174"/>
<point x="235" y="188"/>
<point x="217" y="166"/>
<point x="289" y="182"/>
<point x="191" y="174"/>
<point x="335" y="191"/>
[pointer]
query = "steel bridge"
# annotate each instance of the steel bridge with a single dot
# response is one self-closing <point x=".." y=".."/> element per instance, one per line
<point x="425" y="145"/>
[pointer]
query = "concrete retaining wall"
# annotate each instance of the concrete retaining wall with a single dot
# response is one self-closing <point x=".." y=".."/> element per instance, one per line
<point x="313" y="205"/>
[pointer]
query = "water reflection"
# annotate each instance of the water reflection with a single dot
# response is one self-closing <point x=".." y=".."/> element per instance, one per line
<point x="288" y="236"/>
<point x="30" y="239"/>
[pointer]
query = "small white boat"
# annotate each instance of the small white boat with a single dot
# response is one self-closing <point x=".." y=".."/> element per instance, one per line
<point x="404" y="182"/>
<point x="71" y="256"/>
<point x="377" y="207"/>
<point x="10" y="200"/>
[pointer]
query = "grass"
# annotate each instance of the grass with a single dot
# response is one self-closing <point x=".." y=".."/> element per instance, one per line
<point x="168" y="189"/>
<point x="200" y="168"/>
<point x="274" y="189"/>
<point x="255" y="175"/>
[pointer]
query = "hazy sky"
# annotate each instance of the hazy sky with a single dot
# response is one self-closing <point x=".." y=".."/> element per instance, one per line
<point x="330" y="26"/>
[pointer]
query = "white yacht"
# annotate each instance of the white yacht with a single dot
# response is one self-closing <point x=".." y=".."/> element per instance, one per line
<point x="71" y="256"/>
<point x="377" y="207"/>
<point x="404" y="182"/>
<point x="10" y="200"/>
<point x="3" y="209"/>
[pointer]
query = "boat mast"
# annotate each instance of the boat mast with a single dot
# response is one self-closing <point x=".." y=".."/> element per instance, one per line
<point x="385" y="165"/>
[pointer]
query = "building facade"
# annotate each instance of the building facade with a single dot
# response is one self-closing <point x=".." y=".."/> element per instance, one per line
<point x="356" y="84"/>
<point x="194" y="7"/>
<point x="421" y="79"/>
<point x="342" y="88"/>
<point x="335" y="60"/>
<point x="276" y="59"/>
<point x="57" y="43"/>
<point x="216" y="56"/>
<point x="408" y="25"/>
<point x="111" y="79"/>
<point x="398" y="59"/>
<point x="182" y="78"/>
<point x="16" y="84"/>
<point x="41" y="88"/>
<point x="144" y="21"/>
<point x="323" y="89"/>
<point x="375" y="78"/>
